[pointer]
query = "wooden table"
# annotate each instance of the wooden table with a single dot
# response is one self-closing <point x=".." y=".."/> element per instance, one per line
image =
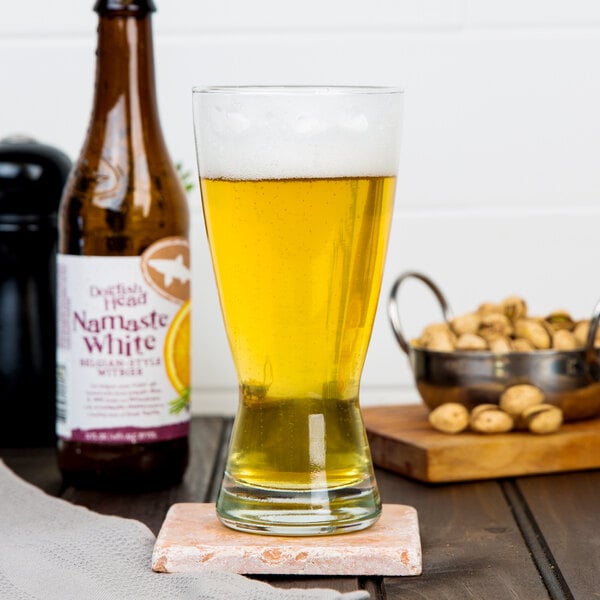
<point x="528" y="538"/>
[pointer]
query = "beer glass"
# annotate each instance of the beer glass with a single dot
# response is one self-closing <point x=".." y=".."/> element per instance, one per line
<point x="297" y="187"/>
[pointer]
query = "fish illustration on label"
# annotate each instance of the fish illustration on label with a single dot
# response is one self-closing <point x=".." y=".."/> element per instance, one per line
<point x="166" y="267"/>
<point x="171" y="269"/>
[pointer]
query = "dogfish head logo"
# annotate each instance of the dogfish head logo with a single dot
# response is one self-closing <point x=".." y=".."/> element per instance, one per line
<point x="166" y="268"/>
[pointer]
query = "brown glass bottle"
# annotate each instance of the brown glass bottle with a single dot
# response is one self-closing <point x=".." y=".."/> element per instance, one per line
<point x="123" y="196"/>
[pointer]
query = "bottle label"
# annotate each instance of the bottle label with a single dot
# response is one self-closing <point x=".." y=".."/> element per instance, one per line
<point x="123" y="338"/>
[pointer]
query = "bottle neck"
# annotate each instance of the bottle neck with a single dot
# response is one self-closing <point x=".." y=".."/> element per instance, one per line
<point x="124" y="6"/>
<point x="125" y="81"/>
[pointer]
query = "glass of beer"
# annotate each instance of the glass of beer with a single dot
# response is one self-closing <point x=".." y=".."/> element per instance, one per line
<point x="297" y="187"/>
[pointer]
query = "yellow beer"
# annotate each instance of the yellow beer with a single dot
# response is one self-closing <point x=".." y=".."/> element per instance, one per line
<point x="298" y="264"/>
<point x="297" y="189"/>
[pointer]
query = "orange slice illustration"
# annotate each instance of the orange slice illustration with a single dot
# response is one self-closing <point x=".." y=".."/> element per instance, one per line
<point x="177" y="349"/>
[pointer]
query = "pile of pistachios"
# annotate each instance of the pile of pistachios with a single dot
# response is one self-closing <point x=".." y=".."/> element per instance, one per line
<point x="506" y="327"/>
<point x="521" y="407"/>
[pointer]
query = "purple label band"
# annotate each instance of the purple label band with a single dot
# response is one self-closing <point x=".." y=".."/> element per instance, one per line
<point x="130" y="435"/>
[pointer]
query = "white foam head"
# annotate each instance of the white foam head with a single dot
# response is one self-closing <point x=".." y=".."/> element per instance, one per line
<point x="296" y="132"/>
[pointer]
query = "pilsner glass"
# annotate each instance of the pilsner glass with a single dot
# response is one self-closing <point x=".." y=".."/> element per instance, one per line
<point x="297" y="187"/>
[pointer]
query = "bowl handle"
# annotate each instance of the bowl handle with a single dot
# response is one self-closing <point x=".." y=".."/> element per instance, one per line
<point x="591" y="355"/>
<point x="393" y="311"/>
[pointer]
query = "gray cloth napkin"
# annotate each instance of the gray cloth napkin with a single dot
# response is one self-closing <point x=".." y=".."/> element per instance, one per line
<point x="51" y="549"/>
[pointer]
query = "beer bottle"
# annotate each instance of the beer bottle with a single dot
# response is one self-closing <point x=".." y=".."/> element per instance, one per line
<point x="123" y="278"/>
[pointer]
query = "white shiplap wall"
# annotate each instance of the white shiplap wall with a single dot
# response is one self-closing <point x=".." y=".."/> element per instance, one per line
<point x="499" y="185"/>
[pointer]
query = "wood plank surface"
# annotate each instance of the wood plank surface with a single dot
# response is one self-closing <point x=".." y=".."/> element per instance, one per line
<point x="35" y="465"/>
<point x="402" y="440"/>
<point x="566" y="511"/>
<point x="472" y="546"/>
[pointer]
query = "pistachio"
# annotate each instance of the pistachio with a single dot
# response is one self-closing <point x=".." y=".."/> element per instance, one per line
<point x="441" y="341"/>
<point x="470" y="341"/>
<point x="434" y="328"/>
<point x="521" y="345"/>
<point x="491" y="420"/>
<point x="480" y="408"/>
<point x="560" y="319"/>
<point x="534" y="332"/>
<point x="500" y="344"/>
<point x="581" y="332"/>
<point x="450" y="417"/>
<point x="495" y="325"/>
<point x="416" y="343"/>
<point x="467" y="323"/>
<point x="543" y="418"/>
<point x="516" y="398"/>
<point x="563" y="339"/>
<point x="487" y="308"/>
<point x="514" y="308"/>
<point x="436" y="336"/>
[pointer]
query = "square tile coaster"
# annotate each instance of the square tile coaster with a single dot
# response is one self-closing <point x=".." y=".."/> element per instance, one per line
<point x="192" y="540"/>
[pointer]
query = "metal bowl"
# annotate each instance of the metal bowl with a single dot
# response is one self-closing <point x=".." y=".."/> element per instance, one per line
<point x="569" y="379"/>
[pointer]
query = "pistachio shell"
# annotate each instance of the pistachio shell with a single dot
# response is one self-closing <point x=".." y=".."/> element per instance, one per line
<point x="437" y="336"/>
<point x="534" y="332"/>
<point x="450" y="417"/>
<point x="521" y="345"/>
<point x="500" y="344"/>
<point x="480" y="408"/>
<point x="468" y="323"/>
<point x="491" y="421"/>
<point x="441" y="341"/>
<point x="470" y="341"/>
<point x="435" y="328"/>
<point x="560" y="319"/>
<point x="515" y="399"/>
<point x="544" y="418"/>
<point x="489" y="307"/>
<point x="495" y="325"/>
<point x="416" y="343"/>
<point x="514" y="307"/>
<point x="581" y="331"/>
<point x="563" y="339"/>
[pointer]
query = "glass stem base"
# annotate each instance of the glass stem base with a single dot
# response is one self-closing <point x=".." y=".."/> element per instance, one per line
<point x="293" y="512"/>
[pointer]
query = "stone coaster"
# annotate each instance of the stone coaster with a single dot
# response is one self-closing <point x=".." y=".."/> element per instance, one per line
<point x="192" y="540"/>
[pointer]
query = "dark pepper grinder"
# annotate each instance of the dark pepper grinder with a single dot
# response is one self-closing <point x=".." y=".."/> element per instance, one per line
<point x="32" y="177"/>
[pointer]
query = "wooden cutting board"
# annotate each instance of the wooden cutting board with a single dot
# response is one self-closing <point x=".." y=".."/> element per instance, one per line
<point x="402" y="440"/>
